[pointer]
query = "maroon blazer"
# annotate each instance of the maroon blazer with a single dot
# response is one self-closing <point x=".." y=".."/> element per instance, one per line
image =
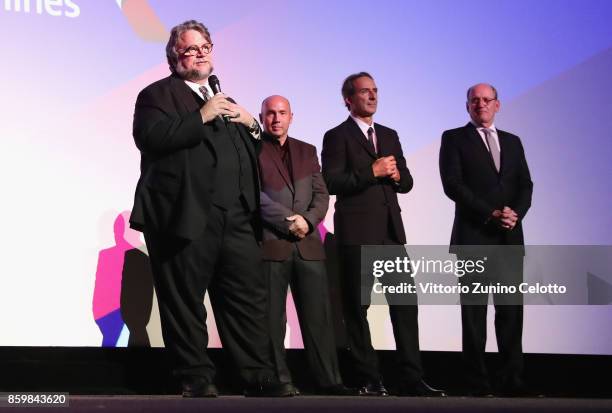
<point x="281" y="196"/>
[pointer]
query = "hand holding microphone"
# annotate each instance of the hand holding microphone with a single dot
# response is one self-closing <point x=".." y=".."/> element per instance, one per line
<point x="222" y="105"/>
<point x="218" y="105"/>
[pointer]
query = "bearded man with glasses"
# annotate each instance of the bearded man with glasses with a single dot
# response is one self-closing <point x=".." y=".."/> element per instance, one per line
<point x="196" y="202"/>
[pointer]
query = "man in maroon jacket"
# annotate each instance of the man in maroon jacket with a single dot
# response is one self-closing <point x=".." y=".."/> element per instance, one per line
<point x="294" y="200"/>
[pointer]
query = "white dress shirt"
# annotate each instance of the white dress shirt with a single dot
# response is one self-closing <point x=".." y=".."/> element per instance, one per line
<point x="484" y="138"/>
<point x="364" y="129"/>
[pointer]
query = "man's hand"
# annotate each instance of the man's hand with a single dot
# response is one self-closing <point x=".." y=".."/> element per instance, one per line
<point x="217" y="105"/>
<point x="385" y="166"/>
<point x="299" y="226"/>
<point x="240" y="115"/>
<point x="395" y="175"/>
<point x="506" y="218"/>
<point x="509" y="218"/>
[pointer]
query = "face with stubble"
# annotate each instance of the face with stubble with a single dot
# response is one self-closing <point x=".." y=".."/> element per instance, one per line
<point x="364" y="101"/>
<point x="193" y="64"/>
<point x="276" y="117"/>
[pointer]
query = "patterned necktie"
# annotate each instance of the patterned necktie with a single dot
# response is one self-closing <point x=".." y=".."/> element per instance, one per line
<point x="371" y="138"/>
<point x="205" y="93"/>
<point x="493" y="149"/>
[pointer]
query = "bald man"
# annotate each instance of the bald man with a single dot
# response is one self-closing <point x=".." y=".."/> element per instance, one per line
<point x="294" y="200"/>
<point x="484" y="171"/>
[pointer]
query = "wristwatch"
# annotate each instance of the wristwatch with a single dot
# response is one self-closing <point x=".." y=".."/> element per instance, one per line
<point x="254" y="128"/>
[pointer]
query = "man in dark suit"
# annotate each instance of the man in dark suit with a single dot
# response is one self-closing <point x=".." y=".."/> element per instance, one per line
<point x="197" y="203"/>
<point x="294" y="200"/>
<point x="364" y="166"/>
<point x="484" y="171"/>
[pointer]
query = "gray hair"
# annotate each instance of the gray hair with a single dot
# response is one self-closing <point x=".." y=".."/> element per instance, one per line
<point x="175" y="34"/>
<point x="473" y="86"/>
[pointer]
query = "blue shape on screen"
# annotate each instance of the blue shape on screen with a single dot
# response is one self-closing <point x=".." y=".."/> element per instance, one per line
<point x="111" y="326"/>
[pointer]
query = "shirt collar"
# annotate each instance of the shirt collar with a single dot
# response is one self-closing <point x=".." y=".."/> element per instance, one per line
<point x="196" y="88"/>
<point x="362" y="125"/>
<point x="480" y="128"/>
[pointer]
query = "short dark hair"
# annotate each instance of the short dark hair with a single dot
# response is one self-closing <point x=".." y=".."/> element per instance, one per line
<point x="348" y="88"/>
<point x="488" y="84"/>
<point x="175" y="34"/>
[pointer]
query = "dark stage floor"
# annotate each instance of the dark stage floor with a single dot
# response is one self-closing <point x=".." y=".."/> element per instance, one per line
<point x="166" y="404"/>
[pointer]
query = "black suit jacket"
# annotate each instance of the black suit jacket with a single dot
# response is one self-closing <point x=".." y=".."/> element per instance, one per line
<point x="363" y="203"/>
<point x="282" y="195"/>
<point x="178" y="159"/>
<point x="470" y="179"/>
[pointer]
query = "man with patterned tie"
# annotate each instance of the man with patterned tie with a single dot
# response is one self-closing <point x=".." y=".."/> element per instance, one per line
<point x="484" y="171"/>
<point x="363" y="165"/>
<point x="197" y="204"/>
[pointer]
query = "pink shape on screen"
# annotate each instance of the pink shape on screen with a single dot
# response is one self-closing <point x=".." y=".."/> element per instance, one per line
<point x="107" y="290"/>
<point x="144" y="21"/>
<point x="322" y="231"/>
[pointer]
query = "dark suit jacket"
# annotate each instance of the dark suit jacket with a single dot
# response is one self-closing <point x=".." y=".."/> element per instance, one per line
<point x="281" y="196"/>
<point x="470" y="179"/>
<point x="178" y="158"/>
<point x="363" y="203"/>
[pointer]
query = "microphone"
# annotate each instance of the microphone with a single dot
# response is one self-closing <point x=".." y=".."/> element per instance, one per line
<point x="215" y="85"/>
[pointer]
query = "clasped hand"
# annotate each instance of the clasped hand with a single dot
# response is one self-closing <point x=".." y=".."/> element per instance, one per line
<point x="386" y="167"/>
<point x="506" y="218"/>
<point x="299" y="226"/>
<point x="218" y="105"/>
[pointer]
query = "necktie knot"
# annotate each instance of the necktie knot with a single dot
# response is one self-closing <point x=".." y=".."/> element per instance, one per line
<point x="205" y="94"/>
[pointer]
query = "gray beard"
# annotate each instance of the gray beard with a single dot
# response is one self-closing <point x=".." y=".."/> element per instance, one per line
<point x="193" y="75"/>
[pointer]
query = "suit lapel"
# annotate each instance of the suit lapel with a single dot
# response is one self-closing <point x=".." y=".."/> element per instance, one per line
<point x="295" y="159"/>
<point x="502" y="150"/>
<point x="477" y="141"/>
<point x="272" y="153"/>
<point x="184" y="95"/>
<point x="381" y="140"/>
<point x="356" y="134"/>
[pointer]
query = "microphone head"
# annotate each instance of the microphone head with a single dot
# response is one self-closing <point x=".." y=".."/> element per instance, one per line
<point x="215" y="85"/>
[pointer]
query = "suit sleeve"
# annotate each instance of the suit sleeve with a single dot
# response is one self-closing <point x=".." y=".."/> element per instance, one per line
<point x="406" y="182"/>
<point x="340" y="179"/>
<point x="320" y="197"/>
<point x="274" y="213"/>
<point x="159" y="132"/>
<point x="452" y="179"/>
<point x="523" y="202"/>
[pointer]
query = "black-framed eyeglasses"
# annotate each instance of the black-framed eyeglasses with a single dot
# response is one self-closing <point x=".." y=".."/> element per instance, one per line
<point x="194" y="50"/>
<point x="476" y="101"/>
